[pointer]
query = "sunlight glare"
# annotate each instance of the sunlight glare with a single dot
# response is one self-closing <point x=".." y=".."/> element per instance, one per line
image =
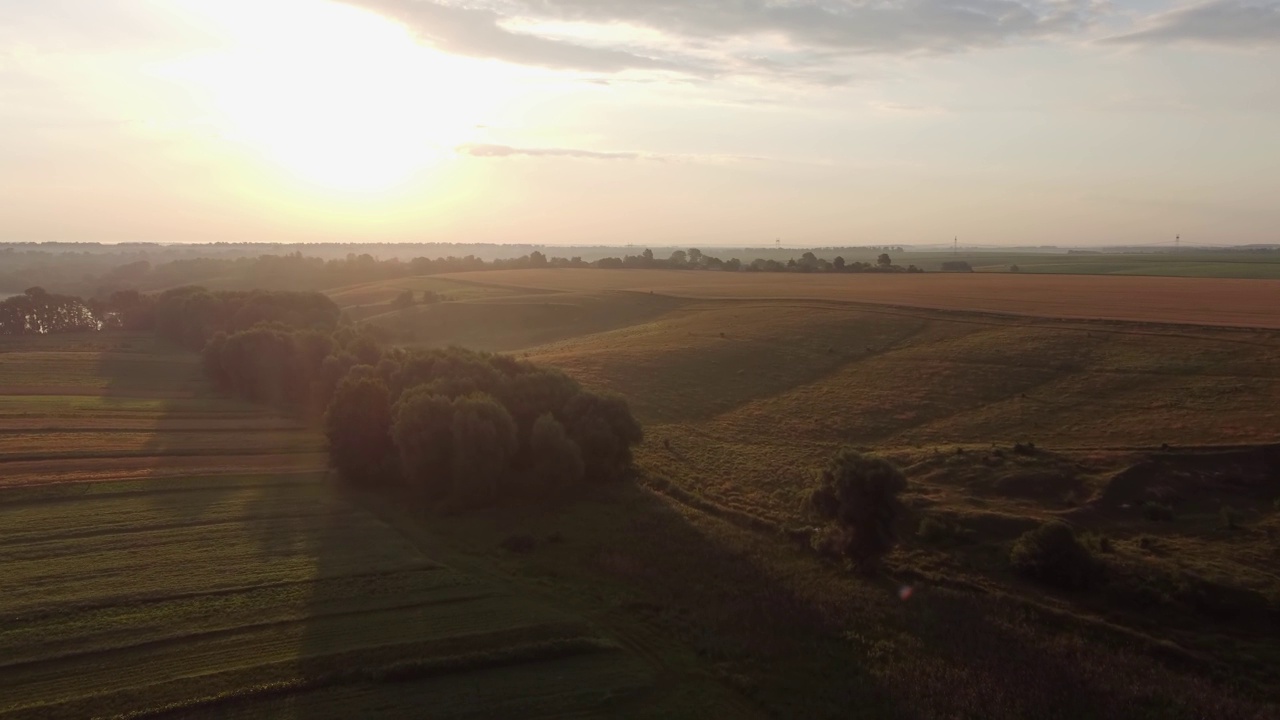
<point x="335" y="96"/>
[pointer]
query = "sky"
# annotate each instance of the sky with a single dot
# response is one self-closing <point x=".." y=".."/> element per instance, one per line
<point x="660" y="122"/>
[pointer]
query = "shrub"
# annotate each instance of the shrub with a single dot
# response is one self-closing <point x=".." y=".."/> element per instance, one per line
<point x="1157" y="512"/>
<point x="1052" y="555"/>
<point x="1230" y="518"/>
<point x="1097" y="542"/>
<point x="937" y="532"/>
<point x="403" y="300"/>
<point x="859" y="496"/>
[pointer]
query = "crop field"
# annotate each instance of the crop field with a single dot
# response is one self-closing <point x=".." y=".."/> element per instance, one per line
<point x="384" y="291"/>
<point x="1186" y="263"/>
<point x="164" y="552"/>
<point x="121" y="406"/>
<point x="1192" y="301"/>
<point x="743" y="399"/>
<point x="168" y="552"/>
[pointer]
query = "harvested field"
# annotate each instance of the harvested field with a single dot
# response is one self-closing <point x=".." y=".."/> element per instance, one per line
<point x="1194" y="301"/>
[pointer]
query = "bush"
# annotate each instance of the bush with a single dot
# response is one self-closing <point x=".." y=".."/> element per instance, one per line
<point x="1097" y="542"/>
<point x="859" y="495"/>
<point x="1230" y="518"/>
<point x="403" y="300"/>
<point x="1156" y="512"/>
<point x="1052" y="555"/>
<point x="937" y="532"/>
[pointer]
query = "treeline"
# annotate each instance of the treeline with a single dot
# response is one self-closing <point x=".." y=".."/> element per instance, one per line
<point x="694" y="259"/>
<point x="38" y="312"/>
<point x="296" y="272"/>
<point x="451" y="428"/>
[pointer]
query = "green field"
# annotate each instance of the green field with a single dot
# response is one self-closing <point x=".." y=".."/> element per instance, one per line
<point x="196" y="586"/>
<point x="743" y="400"/>
<point x="1187" y="263"/>
<point x="165" y="551"/>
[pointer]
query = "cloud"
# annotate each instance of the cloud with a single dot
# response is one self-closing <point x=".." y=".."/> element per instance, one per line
<point x="477" y="32"/>
<point x="1233" y="23"/>
<point x="900" y="26"/>
<point x="806" y="41"/>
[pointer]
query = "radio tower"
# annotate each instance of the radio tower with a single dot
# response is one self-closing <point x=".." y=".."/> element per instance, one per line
<point x="1177" y="243"/>
<point x="955" y="245"/>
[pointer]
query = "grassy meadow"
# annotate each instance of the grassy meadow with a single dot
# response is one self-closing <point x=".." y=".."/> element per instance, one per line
<point x="1000" y="422"/>
<point x="165" y="552"/>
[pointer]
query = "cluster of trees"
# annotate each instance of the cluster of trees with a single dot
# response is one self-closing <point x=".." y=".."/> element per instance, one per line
<point x="463" y="429"/>
<point x="192" y="316"/>
<point x="694" y="259"/>
<point x="451" y="428"/>
<point x="37" y="312"/>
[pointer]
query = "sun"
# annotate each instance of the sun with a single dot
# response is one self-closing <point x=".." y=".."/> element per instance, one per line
<point x="334" y="96"/>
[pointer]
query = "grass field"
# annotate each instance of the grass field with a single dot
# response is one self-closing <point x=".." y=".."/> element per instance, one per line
<point x="167" y="552"/>
<point x="743" y="399"/>
<point x="1192" y="301"/>
<point x="164" y="552"/>
<point x="1185" y="263"/>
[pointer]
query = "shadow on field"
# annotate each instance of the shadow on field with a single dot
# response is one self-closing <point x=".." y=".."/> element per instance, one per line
<point x="803" y="637"/>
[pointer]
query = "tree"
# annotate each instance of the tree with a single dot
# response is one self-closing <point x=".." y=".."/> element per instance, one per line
<point x="884" y="260"/>
<point x="679" y="257"/>
<point x="358" y="426"/>
<point x="423" y="433"/>
<point x="733" y="264"/>
<point x="858" y="494"/>
<point x="403" y="300"/>
<point x="648" y="256"/>
<point x="695" y="256"/>
<point x="537" y="259"/>
<point x="557" y="460"/>
<point x="838" y="264"/>
<point x="484" y="439"/>
<point x="605" y="429"/>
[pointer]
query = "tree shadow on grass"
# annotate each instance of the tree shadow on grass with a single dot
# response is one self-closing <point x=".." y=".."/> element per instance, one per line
<point x="803" y="637"/>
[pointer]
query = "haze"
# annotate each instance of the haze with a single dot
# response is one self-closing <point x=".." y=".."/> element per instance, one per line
<point x="664" y="122"/>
